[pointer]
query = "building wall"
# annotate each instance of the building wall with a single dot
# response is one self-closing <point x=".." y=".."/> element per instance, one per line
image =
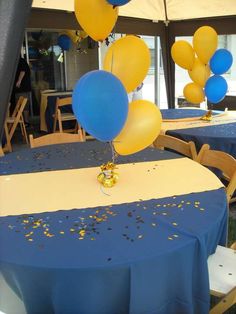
<point x="80" y="62"/>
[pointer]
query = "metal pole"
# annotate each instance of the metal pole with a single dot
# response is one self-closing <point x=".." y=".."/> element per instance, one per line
<point x="13" y="19"/>
<point x="157" y="71"/>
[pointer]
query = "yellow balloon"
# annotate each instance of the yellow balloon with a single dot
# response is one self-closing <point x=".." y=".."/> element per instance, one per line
<point x="183" y="54"/>
<point x="193" y="93"/>
<point x="205" y="42"/>
<point x="73" y="35"/>
<point x="142" y="127"/>
<point x="199" y="73"/>
<point x="96" y="17"/>
<point x="129" y="59"/>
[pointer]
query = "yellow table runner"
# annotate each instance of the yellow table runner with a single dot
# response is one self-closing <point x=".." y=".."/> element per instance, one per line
<point x="78" y="188"/>
<point x="230" y="117"/>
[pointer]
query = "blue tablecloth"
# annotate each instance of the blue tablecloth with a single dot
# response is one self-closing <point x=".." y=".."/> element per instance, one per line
<point x="142" y="257"/>
<point x="220" y="137"/>
<point x="183" y="113"/>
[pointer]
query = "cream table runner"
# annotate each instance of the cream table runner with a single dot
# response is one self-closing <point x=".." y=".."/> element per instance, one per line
<point x="79" y="188"/>
<point x="230" y="117"/>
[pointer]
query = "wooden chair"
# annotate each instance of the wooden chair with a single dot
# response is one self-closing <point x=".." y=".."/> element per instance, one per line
<point x="16" y="118"/>
<point x="55" y="138"/>
<point x="1" y="152"/>
<point x="185" y="148"/>
<point x="60" y="117"/>
<point x="221" y="161"/>
<point x="7" y="147"/>
<point x="222" y="277"/>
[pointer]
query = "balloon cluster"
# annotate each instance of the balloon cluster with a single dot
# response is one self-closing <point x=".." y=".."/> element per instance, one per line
<point x="100" y="100"/>
<point x="200" y="60"/>
<point x="66" y="38"/>
<point x="64" y="42"/>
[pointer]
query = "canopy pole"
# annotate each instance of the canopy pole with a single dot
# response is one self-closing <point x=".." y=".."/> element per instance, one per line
<point x="13" y="19"/>
<point x="167" y="39"/>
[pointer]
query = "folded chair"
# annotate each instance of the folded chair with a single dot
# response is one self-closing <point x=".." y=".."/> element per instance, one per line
<point x="16" y="118"/>
<point x="222" y="277"/>
<point x="221" y="161"/>
<point x="55" y="138"/>
<point x="1" y="152"/>
<point x="185" y="148"/>
<point x="7" y="147"/>
<point x="60" y="117"/>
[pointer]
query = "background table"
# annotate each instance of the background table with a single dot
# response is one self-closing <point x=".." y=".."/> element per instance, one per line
<point x="145" y="256"/>
<point x="220" y="133"/>
<point x="47" y="108"/>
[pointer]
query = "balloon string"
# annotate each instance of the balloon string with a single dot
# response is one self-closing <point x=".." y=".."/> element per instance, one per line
<point x="101" y="188"/>
<point x="114" y="154"/>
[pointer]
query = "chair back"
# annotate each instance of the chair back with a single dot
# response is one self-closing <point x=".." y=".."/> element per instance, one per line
<point x="17" y="107"/>
<point x="63" y="102"/>
<point x="17" y="116"/>
<point x="221" y="161"/>
<point x="55" y="138"/>
<point x="185" y="148"/>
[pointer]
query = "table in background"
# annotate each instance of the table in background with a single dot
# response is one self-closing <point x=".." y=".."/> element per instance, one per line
<point x="49" y="99"/>
<point x="220" y="133"/>
<point x="142" y="256"/>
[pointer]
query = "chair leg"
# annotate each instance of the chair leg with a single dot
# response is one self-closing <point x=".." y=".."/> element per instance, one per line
<point x="8" y="146"/>
<point x="24" y="132"/>
<point x="55" y="122"/>
<point x="225" y="303"/>
<point x="1" y="151"/>
<point x="59" y="121"/>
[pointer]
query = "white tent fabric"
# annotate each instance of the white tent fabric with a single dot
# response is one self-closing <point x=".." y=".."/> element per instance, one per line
<point x="155" y="9"/>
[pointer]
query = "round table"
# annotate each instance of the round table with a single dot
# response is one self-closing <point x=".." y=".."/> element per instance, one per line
<point x="220" y="133"/>
<point x="131" y="249"/>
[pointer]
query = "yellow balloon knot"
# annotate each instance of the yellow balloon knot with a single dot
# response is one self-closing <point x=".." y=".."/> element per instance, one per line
<point x="207" y="116"/>
<point x="108" y="177"/>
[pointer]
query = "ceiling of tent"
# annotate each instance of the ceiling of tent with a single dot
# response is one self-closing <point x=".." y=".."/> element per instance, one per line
<point x="155" y="9"/>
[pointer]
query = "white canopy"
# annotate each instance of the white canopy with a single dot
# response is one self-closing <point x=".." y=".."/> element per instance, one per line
<point x="155" y="10"/>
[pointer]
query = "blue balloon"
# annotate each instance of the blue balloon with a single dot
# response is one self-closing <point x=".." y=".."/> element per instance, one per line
<point x="221" y="61"/>
<point x="100" y="104"/>
<point x="118" y="2"/>
<point x="64" y="42"/>
<point x="216" y="88"/>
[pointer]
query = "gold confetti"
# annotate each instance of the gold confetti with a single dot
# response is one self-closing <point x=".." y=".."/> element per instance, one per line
<point x="140" y="236"/>
<point x="62" y="232"/>
<point x="154" y="224"/>
<point x="201" y="209"/>
<point x="30" y="239"/>
<point x="49" y="235"/>
<point x="93" y="239"/>
<point x="82" y="232"/>
<point x="164" y="214"/>
<point x="170" y="238"/>
<point x="72" y="230"/>
<point x="28" y="234"/>
<point x="174" y="224"/>
<point x="175" y="235"/>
